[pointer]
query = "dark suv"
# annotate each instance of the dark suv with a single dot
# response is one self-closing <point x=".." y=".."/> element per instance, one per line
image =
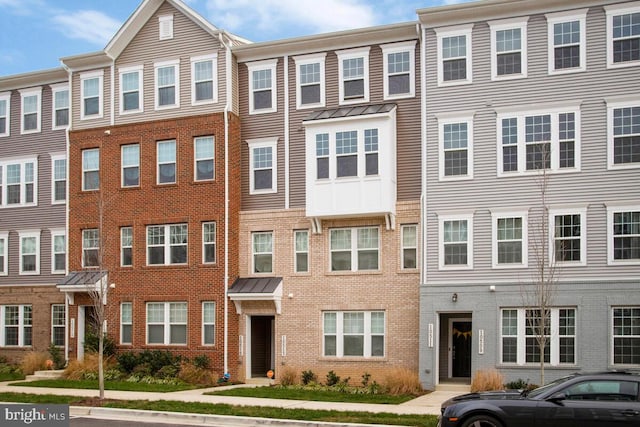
<point x="605" y="399"/>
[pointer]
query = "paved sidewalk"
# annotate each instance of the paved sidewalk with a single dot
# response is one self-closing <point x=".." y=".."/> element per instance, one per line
<point x="428" y="404"/>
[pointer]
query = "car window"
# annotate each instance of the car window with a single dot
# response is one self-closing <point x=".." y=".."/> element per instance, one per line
<point x="603" y="390"/>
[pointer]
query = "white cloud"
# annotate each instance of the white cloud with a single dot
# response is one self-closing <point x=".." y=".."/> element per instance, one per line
<point x="22" y="7"/>
<point x="89" y="25"/>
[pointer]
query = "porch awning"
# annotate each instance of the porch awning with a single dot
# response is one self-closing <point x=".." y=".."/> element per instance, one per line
<point x="256" y="289"/>
<point x="84" y="281"/>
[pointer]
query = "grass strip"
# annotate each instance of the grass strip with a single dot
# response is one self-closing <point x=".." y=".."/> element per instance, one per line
<point x="108" y="385"/>
<point x="313" y="395"/>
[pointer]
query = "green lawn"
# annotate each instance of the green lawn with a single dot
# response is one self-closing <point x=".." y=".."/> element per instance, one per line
<point x="108" y="385"/>
<point x="296" y="393"/>
<point x="246" y="411"/>
<point x="11" y="376"/>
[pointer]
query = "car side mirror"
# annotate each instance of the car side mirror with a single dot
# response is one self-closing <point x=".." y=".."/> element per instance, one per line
<point x="557" y="397"/>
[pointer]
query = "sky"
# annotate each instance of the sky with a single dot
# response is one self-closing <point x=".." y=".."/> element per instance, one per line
<point x="35" y="34"/>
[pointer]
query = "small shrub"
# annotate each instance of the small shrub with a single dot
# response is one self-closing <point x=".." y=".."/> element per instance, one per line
<point x="373" y="388"/>
<point x="201" y="361"/>
<point x="142" y="370"/>
<point x="87" y="368"/>
<point x="487" y="380"/>
<point x="365" y="379"/>
<point x="33" y="361"/>
<point x="332" y="378"/>
<point x="402" y="381"/>
<point x="56" y="356"/>
<point x="167" y="371"/>
<point x="518" y="384"/>
<point x="288" y="376"/>
<point x="308" y="377"/>
<point x="157" y="359"/>
<point x="127" y="361"/>
<point x="92" y="344"/>
<point x="192" y="374"/>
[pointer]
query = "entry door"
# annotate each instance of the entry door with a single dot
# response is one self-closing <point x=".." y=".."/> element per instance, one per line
<point x="87" y="324"/>
<point x="261" y="345"/>
<point x="460" y="349"/>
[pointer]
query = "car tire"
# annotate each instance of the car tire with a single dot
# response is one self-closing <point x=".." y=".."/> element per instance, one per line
<point x="482" y="421"/>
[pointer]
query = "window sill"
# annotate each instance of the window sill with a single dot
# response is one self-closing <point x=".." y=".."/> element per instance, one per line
<point x="351" y="359"/>
<point x="567" y="367"/>
<point x="353" y="273"/>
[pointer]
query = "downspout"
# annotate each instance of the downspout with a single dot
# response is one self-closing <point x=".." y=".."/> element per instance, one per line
<point x="113" y="92"/>
<point x="286" y="131"/>
<point x="66" y="214"/>
<point x="423" y="148"/>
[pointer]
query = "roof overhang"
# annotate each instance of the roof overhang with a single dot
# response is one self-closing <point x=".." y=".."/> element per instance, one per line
<point x="86" y="281"/>
<point x="256" y="289"/>
<point x="35" y="78"/>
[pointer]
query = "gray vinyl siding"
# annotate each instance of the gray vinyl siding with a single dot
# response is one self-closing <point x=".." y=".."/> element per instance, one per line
<point x="45" y="215"/>
<point x="592" y="187"/>
<point x="76" y="101"/>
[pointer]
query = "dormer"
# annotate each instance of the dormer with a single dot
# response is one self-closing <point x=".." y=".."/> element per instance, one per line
<point x="351" y="163"/>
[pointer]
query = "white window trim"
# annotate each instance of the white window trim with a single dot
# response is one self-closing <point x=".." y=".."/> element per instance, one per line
<point x="214" y="60"/>
<point x="270" y="64"/>
<point x="6" y="97"/>
<point x="554" y="345"/>
<point x="29" y="234"/>
<point x="613" y="336"/>
<point x="166" y="324"/>
<point x="83" y="248"/>
<point x="175" y="162"/>
<point x="122" y="247"/>
<point x="89" y="170"/>
<point x="208" y="323"/>
<point x="125" y="70"/>
<point x="561" y="17"/>
<point x="254" y="253"/>
<point x="260" y="143"/>
<point x="176" y="84"/>
<point x="509" y="24"/>
<point x="577" y="210"/>
<point x="61" y="87"/>
<point x="54" y="158"/>
<point x="447" y="120"/>
<point x="24" y="93"/>
<point x="460" y="30"/>
<point x="500" y="214"/>
<point x="54" y="233"/>
<point x="165" y="22"/>
<point x="614" y="104"/>
<point x="318" y="58"/>
<point x="296" y="252"/>
<point x="195" y="160"/>
<point x="403" y="247"/>
<point x="611" y="210"/>
<point x="367" y="334"/>
<point x="5" y="236"/>
<point x="123" y="323"/>
<point x="21" y="325"/>
<point x="166" y="245"/>
<point x="457" y="217"/>
<point x="399" y="48"/>
<point x="53" y="325"/>
<point x="122" y="166"/>
<point x="520" y="113"/>
<point x="23" y="182"/>
<point x="353" y="54"/>
<point x="88" y="76"/>
<point x="617" y="10"/>
<point x="215" y="243"/>
<point x="354" y="249"/>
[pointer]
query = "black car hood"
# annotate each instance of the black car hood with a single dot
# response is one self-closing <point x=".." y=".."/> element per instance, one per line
<point x="485" y="395"/>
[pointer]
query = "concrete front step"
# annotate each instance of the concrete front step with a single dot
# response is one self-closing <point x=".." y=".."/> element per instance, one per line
<point x="258" y="381"/>
<point x="456" y="387"/>
<point x="45" y="375"/>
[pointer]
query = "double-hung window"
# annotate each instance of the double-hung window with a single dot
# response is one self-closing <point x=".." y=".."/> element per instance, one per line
<point x="91" y="94"/>
<point x="310" y="80"/>
<point x="301" y="251"/>
<point x="126" y="323"/>
<point x="60" y="94"/>
<point x="371" y="151"/>
<point x="623" y="134"/>
<point x="131" y="94"/>
<point x="131" y="165"/>
<point x="523" y="329"/>
<point x="322" y="156"/>
<point x="31" y="117"/>
<point x="4" y="254"/>
<point x="409" y="252"/>
<point x="354" y="249"/>
<point x="262" y="86"/>
<point x="456" y="241"/>
<point x="262" y="251"/>
<point x="58" y="324"/>
<point x="566" y="34"/>
<point x="16" y="325"/>
<point x="399" y="70"/>
<point x="126" y="246"/>
<point x="623" y="234"/>
<point x="208" y="242"/>
<point x="532" y="140"/>
<point x="509" y="243"/>
<point x="456" y="147"/>
<point x="626" y="335"/>
<point x="29" y="252"/>
<point x="204" y="158"/>
<point x="508" y="48"/>
<point x="167" y="323"/>
<point x="90" y="247"/>
<point x="91" y="169"/>
<point x="204" y="79"/>
<point x="567" y="231"/>
<point x="347" y="153"/>
<point x="623" y="34"/>
<point x="208" y="323"/>
<point x="353" y="68"/>
<point x="59" y="178"/>
<point x="454" y="54"/>
<point x="167" y="91"/>
<point x="167" y="244"/>
<point x="263" y="164"/>
<point x="353" y="333"/>
<point x="18" y="183"/>
<point x="58" y="251"/>
<point x="166" y="162"/>
<point x="5" y="103"/>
